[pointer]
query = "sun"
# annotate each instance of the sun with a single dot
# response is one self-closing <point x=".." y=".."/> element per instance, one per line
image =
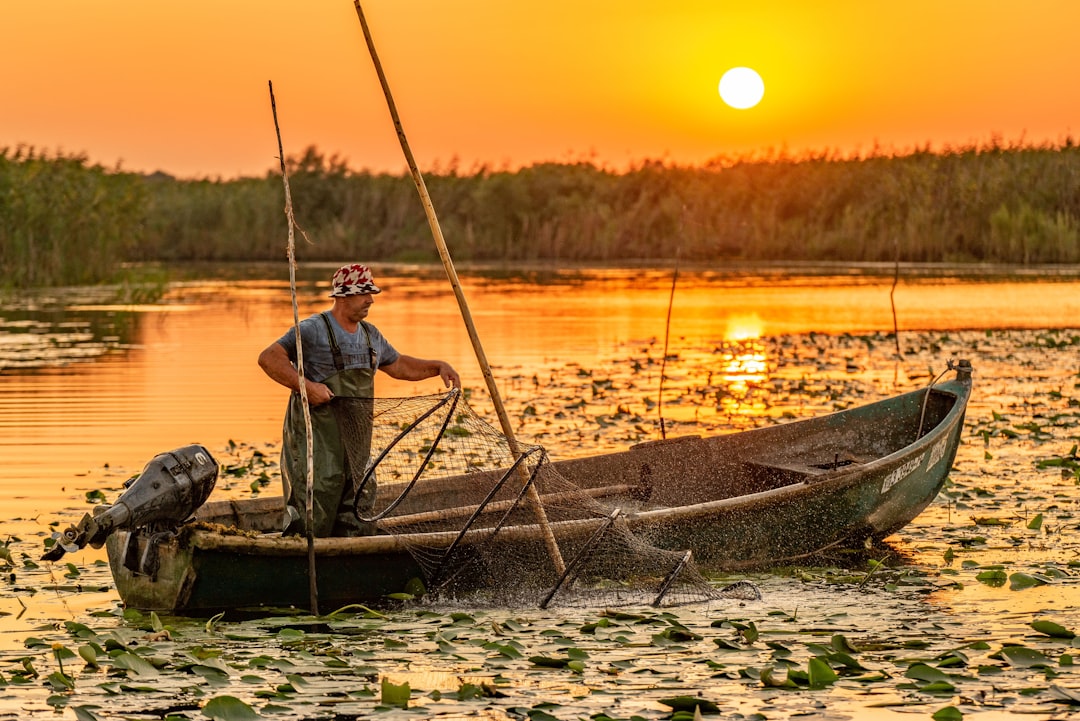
<point x="741" y="88"/>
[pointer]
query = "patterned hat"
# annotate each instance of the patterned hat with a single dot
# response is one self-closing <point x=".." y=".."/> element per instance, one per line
<point x="353" y="279"/>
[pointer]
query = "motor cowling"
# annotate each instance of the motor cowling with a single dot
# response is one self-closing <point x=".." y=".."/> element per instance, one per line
<point x="171" y="487"/>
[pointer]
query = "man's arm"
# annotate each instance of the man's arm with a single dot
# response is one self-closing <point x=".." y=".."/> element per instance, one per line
<point x="276" y="364"/>
<point x="407" y="368"/>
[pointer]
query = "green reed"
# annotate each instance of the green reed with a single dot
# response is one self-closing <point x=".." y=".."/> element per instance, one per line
<point x="63" y="221"/>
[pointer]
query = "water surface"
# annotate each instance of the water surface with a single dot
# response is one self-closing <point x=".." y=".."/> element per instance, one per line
<point x="91" y="389"/>
<point x="85" y="385"/>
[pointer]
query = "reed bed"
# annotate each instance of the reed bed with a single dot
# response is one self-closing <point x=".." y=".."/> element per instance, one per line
<point x="64" y="221"/>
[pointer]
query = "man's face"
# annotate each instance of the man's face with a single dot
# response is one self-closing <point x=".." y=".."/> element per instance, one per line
<point x="356" y="306"/>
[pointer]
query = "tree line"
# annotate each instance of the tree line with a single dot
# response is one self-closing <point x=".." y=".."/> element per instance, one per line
<point x="64" y="221"/>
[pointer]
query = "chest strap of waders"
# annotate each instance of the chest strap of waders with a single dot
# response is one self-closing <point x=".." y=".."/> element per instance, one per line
<point x="335" y="349"/>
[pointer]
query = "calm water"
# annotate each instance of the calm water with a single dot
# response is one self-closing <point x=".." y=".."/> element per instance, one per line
<point x="85" y="385"/>
<point x="91" y="389"/>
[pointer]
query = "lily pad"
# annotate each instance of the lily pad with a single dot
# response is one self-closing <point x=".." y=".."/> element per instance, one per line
<point x="689" y="703"/>
<point x="1024" y="657"/>
<point x="229" y="708"/>
<point x="992" y="578"/>
<point x="396" y="694"/>
<point x="1019" y="581"/>
<point x="1052" y="629"/>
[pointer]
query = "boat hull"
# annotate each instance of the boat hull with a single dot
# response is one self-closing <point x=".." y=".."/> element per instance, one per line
<point x="197" y="577"/>
<point x="760" y="498"/>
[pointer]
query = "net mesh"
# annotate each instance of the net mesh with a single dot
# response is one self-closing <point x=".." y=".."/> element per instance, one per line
<point x="491" y="519"/>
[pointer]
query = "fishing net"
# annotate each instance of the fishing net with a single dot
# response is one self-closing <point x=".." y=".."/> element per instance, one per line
<point x="495" y="521"/>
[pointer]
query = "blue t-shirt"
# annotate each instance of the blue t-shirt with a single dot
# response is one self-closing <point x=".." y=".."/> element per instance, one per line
<point x="319" y="361"/>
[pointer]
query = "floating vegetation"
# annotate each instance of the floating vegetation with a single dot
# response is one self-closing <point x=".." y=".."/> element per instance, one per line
<point x="969" y="610"/>
<point x="648" y="664"/>
<point x="1068" y="463"/>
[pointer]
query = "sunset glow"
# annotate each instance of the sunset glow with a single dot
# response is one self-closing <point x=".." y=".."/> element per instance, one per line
<point x="183" y="88"/>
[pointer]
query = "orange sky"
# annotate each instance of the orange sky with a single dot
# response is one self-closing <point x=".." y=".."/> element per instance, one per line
<point x="182" y="87"/>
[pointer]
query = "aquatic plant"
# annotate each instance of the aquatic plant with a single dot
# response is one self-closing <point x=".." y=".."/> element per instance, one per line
<point x="993" y="203"/>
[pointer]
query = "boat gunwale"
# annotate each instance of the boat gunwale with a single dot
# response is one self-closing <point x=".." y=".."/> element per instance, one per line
<point x="265" y="544"/>
<point x="850" y="476"/>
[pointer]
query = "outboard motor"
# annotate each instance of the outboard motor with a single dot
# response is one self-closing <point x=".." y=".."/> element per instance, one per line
<point x="169" y="490"/>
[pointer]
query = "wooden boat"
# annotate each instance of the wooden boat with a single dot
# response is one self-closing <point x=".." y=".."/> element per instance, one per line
<point x="758" y="498"/>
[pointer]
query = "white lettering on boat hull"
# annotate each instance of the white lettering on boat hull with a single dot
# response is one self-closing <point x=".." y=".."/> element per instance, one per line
<point x="901" y="472"/>
<point x="937" y="452"/>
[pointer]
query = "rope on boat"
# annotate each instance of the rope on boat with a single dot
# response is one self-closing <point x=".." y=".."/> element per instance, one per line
<point x="949" y="365"/>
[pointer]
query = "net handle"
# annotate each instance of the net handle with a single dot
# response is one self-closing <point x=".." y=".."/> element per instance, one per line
<point x="666" y="585"/>
<point x="436" y="578"/>
<point x="578" y="558"/>
<point x="454" y="395"/>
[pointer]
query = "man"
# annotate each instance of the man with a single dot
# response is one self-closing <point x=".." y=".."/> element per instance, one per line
<point x="341" y="354"/>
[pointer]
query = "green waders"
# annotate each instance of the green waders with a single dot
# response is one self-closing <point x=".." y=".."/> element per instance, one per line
<point x="335" y="478"/>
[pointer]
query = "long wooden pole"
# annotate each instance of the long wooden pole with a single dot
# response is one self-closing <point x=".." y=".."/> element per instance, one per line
<point x="448" y="264"/>
<point x="313" y="586"/>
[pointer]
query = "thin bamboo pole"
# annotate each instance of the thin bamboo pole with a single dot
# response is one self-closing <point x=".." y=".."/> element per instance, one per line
<point x="448" y="264"/>
<point x="667" y="336"/>
<point x="313" y="587"/>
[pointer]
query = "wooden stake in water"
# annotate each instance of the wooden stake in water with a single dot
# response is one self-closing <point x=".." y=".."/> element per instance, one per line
<point x="448" y="264"/>
<point x="313" y="588"/>
<point x="667" y="335"/>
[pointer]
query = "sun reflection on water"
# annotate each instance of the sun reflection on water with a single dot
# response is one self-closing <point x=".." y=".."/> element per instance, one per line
<point x="744" y="327"/>
<point x="743" y="365"/>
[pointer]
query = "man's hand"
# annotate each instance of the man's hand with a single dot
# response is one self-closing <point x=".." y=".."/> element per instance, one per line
<point x="449" y="376"/>
<point x="276" y="364"/>
<point x="318" y="393"/>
